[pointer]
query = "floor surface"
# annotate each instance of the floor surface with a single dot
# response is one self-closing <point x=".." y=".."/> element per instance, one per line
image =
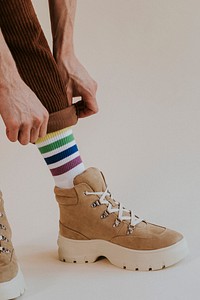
<point x="48" y="278"/>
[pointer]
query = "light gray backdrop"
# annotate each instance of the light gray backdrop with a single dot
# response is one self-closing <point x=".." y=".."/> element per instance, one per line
<point x="145" y="56"/>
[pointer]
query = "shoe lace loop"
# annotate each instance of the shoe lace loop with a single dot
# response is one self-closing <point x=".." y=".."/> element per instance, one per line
<point x="122" y="213"/>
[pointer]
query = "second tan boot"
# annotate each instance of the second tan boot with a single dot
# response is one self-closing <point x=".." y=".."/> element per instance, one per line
<point x="12" y="283"/>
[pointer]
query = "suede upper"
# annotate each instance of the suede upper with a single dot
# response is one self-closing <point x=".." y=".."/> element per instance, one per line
<point x="8" y="261"/>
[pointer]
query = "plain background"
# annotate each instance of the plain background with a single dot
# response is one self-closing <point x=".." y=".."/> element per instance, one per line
<point x="145" y="56"/>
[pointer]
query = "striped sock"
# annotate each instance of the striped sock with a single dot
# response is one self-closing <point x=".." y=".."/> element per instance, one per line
<point x="61" y="154"/>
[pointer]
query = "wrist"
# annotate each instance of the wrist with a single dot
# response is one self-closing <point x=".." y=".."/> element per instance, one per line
<point x="10" y="79"/>
<point x="63" y="44"/>
<point x="63" y="51"/>
<point x="62" y="55"/>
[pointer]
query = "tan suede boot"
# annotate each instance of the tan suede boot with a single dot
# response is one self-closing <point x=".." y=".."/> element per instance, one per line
<point x="11" y="279"/>
<point x="92" y="224"/>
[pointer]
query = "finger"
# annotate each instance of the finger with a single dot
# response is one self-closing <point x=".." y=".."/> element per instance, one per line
<point x="12" y="134"/>
<point x="80" y="106"/>
<point x="43" y="128"/>
<point x="34" y="134"/>
<point x="86" y="109"/>
<point x="24" y="134"/>
<point x="69" y="91"/>
<point x="85" y="113"/>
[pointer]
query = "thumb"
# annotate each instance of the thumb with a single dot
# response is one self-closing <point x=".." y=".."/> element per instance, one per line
<point x="69" y="91"/>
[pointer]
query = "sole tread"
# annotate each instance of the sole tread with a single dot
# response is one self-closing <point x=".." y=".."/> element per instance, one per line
<point x="74" y="251"/>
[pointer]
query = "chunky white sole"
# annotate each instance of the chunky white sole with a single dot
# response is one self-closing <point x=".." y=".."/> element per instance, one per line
<point x="13" y="288"/>
<point x="87" y="251"/>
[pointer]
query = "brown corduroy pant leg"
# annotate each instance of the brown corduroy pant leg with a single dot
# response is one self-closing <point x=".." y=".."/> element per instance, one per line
<point x="34" y="60"/>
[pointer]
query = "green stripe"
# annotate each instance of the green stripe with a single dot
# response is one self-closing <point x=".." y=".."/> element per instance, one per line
<point x="57" y="144"/>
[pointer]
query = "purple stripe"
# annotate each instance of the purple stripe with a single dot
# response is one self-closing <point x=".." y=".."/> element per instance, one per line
<point x="66" y="167"/>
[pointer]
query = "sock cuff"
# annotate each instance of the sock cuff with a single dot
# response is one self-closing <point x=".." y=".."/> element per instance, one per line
<point x="61" y="154"/>
<point x="54" y="134"/>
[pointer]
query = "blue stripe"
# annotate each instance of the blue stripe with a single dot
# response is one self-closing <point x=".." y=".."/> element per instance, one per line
<point x="61" y="155"/>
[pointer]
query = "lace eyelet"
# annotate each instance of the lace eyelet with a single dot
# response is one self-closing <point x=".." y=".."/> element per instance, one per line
<point x="130" y="230"/>
<point x="95" y="204"/>
<point x="3" y="238"/>
<point x="4" y="250"/>
<point x="117" y="223"/>
<point x="2" y="227"/>
<point x="105" y="214"/>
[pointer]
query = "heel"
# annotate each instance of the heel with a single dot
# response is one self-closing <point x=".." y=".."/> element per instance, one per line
<point x="76" y="251"/>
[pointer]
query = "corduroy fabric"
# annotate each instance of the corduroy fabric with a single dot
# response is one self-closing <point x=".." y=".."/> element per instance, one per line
<point x="34" y="60"/>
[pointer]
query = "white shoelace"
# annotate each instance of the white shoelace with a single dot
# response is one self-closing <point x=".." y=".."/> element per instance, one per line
<point x="120" y="210"/>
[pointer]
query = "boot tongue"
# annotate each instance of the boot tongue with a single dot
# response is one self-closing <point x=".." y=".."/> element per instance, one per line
<point x="93" y="177"/>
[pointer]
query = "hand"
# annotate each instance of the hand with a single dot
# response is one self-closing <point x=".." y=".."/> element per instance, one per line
<point x="78" y="83"/>
<point x="24" y="116"/>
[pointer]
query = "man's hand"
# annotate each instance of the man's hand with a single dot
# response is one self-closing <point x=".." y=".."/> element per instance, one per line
<point x="77" y="80"/>
<point x="78" y="83"/>
<point x="23" y="114"/>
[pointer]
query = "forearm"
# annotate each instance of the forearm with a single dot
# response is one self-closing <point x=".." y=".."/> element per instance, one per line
<point x="77" y="80"/>
<point x="20" y="109"/>
<point x="62" y="13"/>
<point x="8" y="69"/>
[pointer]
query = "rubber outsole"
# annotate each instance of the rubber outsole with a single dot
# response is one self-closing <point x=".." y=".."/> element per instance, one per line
<point x="13" y="288"/>
<point x="88" y="251"/>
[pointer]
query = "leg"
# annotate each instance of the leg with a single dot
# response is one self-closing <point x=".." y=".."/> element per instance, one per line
<point x="35" y="63"/>
<point x="37" y="67"/>
<point x="92" y="223"/>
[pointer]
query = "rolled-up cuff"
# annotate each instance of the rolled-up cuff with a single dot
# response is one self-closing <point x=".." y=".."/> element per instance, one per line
<point x="62" y="119"/>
